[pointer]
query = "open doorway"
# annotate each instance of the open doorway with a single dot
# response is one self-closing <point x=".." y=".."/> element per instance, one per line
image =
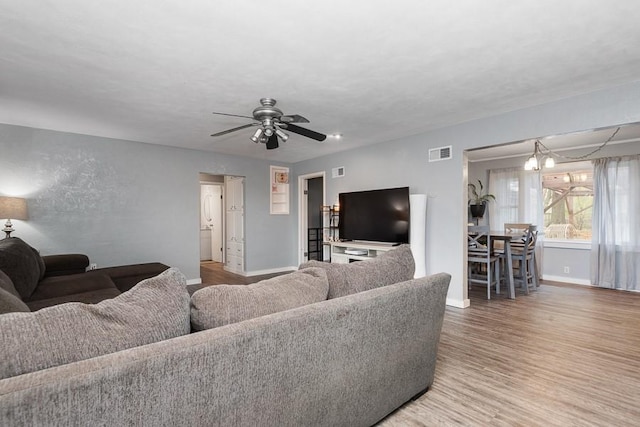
<point x="211" y="218"/>
<point x="221" y="225"/>
<point x="311" y="199"/>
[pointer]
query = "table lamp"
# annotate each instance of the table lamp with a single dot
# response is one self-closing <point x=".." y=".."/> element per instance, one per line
<point x="12" y="208"/>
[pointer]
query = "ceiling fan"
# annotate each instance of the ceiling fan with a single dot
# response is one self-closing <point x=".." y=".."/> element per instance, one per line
<point x="272" y="123"/>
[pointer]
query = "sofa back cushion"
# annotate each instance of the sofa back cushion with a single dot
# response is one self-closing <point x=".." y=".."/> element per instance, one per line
<point x="154" y="310"/>
<point x="394" y="266"/>
<point x="7" y="285"/>
<point x="220" y="305"/>
<point x="10" y="303"/>
<point x="22" y="263"/>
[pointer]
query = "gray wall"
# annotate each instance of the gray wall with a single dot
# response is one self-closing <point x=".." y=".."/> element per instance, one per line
<point x="404" y="162"/>
<point x="554" y="259"/>
<point x="123" y="202"/>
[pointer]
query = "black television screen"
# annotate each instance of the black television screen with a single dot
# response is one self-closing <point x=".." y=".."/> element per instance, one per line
<point x="375" y="215"/>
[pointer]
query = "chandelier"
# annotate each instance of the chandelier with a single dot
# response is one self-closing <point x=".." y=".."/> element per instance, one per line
<point x="534" y="163"/>
<point x="544" y="156"/>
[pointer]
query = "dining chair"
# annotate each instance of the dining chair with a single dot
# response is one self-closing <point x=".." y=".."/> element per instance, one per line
<point x="523" y="252"/>
<point x="518" y="231"/>
<point x="484" y="266"/>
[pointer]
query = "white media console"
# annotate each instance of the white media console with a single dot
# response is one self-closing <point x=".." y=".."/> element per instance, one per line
<point x="345" y="252"/>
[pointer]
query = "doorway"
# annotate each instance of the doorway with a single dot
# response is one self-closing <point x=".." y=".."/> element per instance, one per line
<point x="211" y="218"/>
<point x="311" y="199"/>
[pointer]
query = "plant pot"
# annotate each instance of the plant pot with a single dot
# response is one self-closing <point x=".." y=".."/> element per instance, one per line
<point x="477" y="211"/>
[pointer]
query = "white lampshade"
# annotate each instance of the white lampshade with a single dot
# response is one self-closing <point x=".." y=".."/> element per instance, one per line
<point x="13" y="208"/>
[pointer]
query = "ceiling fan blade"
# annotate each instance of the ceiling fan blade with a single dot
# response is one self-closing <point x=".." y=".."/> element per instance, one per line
<point x="232" y="115"/>
<point x="272" y="142"/>
<point x="306" y="132"/>
<point x="224" y="132"/>
<point x="293" y="118"/>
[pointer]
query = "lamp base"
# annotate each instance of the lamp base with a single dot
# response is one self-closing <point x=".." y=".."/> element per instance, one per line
<point x="8" y="228"/>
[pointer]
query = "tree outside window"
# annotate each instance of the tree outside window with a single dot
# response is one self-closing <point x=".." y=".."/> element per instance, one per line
<point x="568" y="201"/>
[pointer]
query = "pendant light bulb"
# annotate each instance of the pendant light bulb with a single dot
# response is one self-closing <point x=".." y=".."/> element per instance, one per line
<point x="549" y="163"/>
<point x="256" y="136"/>
<point x="283" y="136"/>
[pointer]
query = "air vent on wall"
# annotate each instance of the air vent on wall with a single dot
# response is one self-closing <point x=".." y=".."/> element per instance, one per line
<point x="441" y="153"/>
<point x="337" y="172"/>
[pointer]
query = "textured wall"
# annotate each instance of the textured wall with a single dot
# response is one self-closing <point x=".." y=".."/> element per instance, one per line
<point x="123" y="202"/>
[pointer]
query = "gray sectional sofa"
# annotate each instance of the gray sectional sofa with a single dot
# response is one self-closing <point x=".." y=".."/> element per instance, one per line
<point x="275" y="353"/>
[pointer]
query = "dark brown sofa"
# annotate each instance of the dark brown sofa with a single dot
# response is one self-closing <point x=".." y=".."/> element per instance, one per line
<point x="43" y="281"/>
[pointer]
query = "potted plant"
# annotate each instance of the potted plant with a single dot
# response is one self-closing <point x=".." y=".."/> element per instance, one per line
<point x="478" y="200"/>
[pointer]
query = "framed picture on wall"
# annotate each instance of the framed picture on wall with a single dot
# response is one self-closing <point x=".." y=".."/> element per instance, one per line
<point x="282" y="177"/>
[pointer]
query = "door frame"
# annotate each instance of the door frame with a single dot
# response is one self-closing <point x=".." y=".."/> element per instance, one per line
<point x="303" y="209"/>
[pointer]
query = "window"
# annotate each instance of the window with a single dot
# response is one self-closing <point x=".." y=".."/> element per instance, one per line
<point x="568" y="201"/>
<point x="517" y="197"/>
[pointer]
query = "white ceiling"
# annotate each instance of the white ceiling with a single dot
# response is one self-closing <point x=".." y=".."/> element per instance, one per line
<point x="153" y="71"/>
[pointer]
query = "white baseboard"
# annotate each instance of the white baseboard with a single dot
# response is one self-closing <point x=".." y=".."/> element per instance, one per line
<point x="458" y="303"/>
<point x="194" y="281"/>
<point x="563" y="279"/>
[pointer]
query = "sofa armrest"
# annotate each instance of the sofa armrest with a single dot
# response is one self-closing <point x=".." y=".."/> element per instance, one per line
<point x="59" y="265"/>
<point x="127" y="276"/>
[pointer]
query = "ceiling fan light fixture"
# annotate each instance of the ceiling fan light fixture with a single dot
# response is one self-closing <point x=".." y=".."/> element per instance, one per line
<point x="271" y="123"/>
<point x="256" y="136"/>
<point x="283" y="136"/>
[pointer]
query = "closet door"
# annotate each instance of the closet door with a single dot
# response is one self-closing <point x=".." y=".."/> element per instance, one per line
<point x="234" y="224"/>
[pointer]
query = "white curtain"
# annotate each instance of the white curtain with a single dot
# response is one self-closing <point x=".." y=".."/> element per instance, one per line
<point x="615" y="248"/>
<point x="519" y="199"/>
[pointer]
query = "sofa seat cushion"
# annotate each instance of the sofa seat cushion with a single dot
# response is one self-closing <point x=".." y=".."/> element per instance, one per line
<point x="396" y="265"/>
<point x="60" y="286"/>
<point x="22" y="264"/>
<point x="90" y="297"/>
<point x="154" y="310"/>
<point x="220" y="305"/>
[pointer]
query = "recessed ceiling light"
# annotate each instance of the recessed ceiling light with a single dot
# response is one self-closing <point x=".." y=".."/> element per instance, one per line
<point x="336" y="135"/>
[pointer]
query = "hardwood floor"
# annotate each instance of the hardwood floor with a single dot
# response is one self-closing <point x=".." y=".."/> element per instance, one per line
<point x="213" y="273"/>
<point x="566" y="355"/>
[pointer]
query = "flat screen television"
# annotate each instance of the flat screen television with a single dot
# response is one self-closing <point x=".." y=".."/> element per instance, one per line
<point x="375" y="215"/>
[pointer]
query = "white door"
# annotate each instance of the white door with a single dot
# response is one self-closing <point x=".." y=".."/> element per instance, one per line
<point x="234" y="187"/>
<point x="216" y="225"/>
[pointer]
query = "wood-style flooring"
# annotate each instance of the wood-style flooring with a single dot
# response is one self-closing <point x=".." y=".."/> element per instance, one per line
<point x="566" y="355"/>
<point x="213" y="273"/>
